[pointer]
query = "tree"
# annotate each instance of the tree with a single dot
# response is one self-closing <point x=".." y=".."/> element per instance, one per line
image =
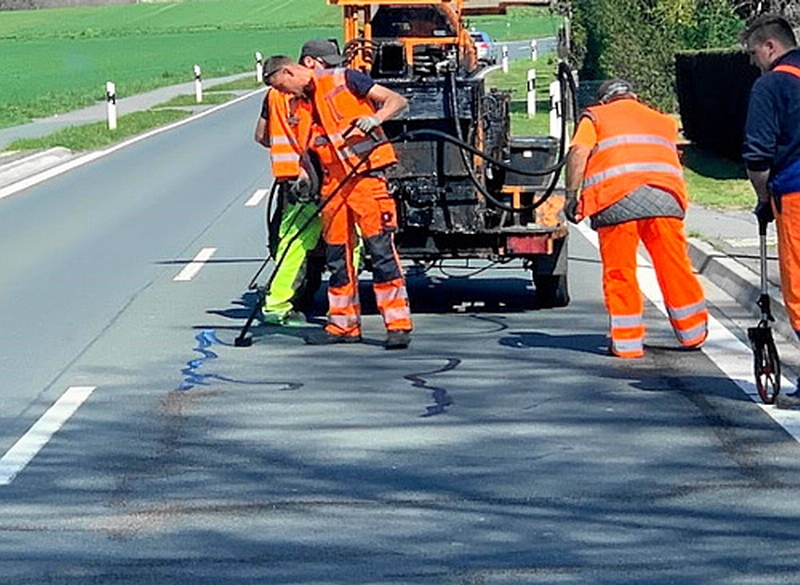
<point x="749" y="8"/>
<point x="638" y="39"/>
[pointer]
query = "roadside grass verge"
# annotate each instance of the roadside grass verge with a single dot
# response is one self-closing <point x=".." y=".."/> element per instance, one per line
<point x="50" y="76"/>
<point x="97" y="135"/>
<point x="714" y="181"/>
<point x="516" y="81"/>
<point x="189" y="100"/>
<point x="247" y="83"/>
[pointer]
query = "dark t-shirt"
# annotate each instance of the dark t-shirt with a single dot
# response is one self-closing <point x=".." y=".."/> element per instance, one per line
<point x="265" y="105"/>
<point x="357" y="82"/>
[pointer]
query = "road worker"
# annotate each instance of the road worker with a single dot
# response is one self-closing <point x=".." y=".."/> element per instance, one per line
<point x="284" y="127"/>
<point x="772" y="152"/>
<point x="624" y="160"/>
<point x="349" y="108"/>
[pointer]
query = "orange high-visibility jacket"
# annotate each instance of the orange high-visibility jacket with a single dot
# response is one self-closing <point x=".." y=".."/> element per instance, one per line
<point x="635" y="147"/>
<point x="338" y="108"/>
<point x="290" y="122"/>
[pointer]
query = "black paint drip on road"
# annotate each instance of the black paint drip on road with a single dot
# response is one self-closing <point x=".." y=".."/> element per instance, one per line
<point x="441" y="399"/>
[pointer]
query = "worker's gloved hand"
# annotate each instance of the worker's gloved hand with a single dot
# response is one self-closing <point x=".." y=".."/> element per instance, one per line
<point x="763" y="211"/>
<point x="571" y="207"/>
<point x="367" y="123"/>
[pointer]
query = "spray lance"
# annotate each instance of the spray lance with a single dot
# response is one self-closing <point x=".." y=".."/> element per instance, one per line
<point x="242" y="340"/>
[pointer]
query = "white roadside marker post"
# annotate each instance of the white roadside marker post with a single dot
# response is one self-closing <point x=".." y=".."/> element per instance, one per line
<point x="111" y="104"/>
<point x="198" y="84"/>
<point x="531" y="93"/>
<point x="555" y="109"/>
<point x="259" y="67"/>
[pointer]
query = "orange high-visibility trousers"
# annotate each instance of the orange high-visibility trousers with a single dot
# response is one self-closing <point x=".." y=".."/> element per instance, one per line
<point x="665" y="240"/>
<point x="787" y="224"/>
<point x="363" y="201"/>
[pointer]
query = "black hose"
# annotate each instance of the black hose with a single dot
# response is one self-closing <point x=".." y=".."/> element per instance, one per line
<point x="567" y="82"/>
<point x="241" y="339"/>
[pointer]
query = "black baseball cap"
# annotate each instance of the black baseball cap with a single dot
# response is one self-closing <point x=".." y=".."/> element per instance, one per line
<point x="325" y="51"/>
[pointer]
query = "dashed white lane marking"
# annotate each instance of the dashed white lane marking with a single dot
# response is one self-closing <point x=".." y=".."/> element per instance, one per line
<point x="26" y="448"/>
<point x="256" y="197"/>
<point x="192" y="268"/>
<point x="728" y="352"/>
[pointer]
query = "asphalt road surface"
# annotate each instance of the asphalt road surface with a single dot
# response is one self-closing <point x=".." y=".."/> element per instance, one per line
<point x="502" y="447"/>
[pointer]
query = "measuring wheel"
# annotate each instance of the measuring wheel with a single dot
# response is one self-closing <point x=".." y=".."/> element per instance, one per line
<point x="766" y="363"/>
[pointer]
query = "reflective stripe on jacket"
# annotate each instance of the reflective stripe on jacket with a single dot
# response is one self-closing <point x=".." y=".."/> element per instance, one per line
<point x="289" y="132"/>
<point x="635" y="147"/>
<point x="338" y="109"/>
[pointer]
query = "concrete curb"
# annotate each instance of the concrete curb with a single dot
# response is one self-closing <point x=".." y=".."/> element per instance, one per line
<point x="13" y="169"/>
<point x="739" y="282"/>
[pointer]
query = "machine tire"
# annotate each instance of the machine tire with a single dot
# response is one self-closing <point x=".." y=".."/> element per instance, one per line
<point x="551" y="290"/>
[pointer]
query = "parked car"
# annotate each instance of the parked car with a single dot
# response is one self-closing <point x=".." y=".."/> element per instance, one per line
<point x="485" y="47"/>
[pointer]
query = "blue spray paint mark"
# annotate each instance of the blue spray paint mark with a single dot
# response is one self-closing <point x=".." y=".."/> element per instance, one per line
<point x="193" y="377"/>
<point x="205" y="339"/>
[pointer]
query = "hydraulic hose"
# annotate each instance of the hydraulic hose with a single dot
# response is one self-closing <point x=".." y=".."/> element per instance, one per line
<point x="567" y="84"/>
<point x="565" y="79"/>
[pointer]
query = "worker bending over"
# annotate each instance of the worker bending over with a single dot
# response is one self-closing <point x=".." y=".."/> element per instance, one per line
<point x="348" y="109"/>
<point x="284" y="127"/>
<point x="624" y="156"/>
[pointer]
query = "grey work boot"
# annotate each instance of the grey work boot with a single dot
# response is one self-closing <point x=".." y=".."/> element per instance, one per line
<point x="397" y="339"/>
<point x="325" y="338"/>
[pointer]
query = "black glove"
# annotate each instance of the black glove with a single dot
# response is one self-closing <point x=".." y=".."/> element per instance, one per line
<point x="571" y="207"/>
<point x="763" y="211"/>
<point x="298" y="190"/>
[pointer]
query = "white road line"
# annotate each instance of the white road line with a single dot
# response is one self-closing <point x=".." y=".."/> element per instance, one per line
<point x="26" y="448"/>
<point x="728" y="352"/>
<point x="192" y="268"/>
<point x="256" y="198"/>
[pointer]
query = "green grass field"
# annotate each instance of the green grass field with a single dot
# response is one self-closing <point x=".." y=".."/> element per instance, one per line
<point x="60" y="59"/>
<point x="516" y="81"/>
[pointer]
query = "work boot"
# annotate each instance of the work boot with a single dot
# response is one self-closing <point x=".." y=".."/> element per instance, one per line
<point x="789" y="401"/>
<point x="291" y="318"/>
<point x="271" y="317"/>
<point x="294" y="319"/>
<point x="397" y="339"/>
<point x="326" y="338"/>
